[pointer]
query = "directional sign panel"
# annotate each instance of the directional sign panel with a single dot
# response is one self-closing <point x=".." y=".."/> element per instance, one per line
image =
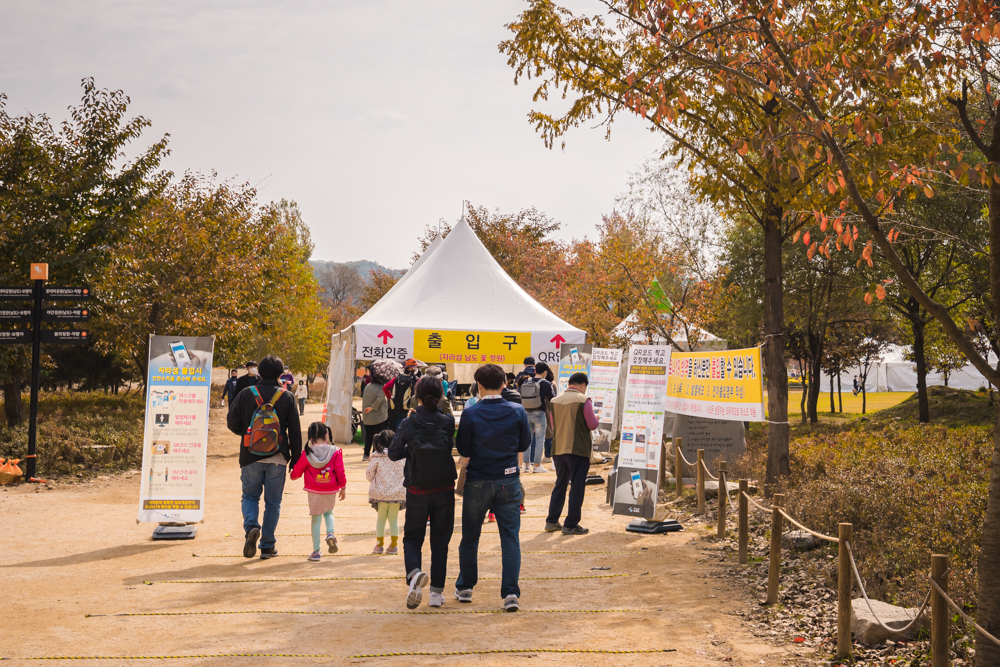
<point x="15" y="315"/>
<point x="69" y="336"/>
<point x="20" y="336"/>
<point x="67" y="293"/>
<point x="62" y="314"/>
<point x="16" y="293"/>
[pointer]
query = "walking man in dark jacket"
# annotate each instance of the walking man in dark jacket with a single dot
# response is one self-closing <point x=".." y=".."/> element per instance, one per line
<point x="491" y="435"/>
<point x="229" y="391"/>
<point x="265" y="475"/>
<point x="425" y="440"/>
<point x="248" y="380"/>
<point x="573" y="420"/>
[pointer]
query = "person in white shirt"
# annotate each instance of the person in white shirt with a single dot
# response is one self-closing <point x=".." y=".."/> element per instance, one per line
<point x="301" y="394"/>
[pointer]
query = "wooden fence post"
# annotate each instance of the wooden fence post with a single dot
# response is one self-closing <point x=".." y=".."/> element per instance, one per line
<point x="774" y="567"/>
<point x="700" y="483"/>
<point x="844" y="579"/>
<point x="744" y="521"/>
<point x="723" y="500"/>
<point x="663" y="465"/>
<point x="678" y="467"/>
<point x="940" y="655"/>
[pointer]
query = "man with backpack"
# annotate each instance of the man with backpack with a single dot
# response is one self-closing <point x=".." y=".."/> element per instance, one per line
<point x="536" y="392"/>
<point x="401" y="390"/>
<point x="264" y="416"/>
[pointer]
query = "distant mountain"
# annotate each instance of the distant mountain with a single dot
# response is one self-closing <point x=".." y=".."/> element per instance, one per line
<point x="363" y="267"/>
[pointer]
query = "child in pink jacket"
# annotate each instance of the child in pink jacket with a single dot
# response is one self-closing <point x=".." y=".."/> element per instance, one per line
<point x="322" y="464"/>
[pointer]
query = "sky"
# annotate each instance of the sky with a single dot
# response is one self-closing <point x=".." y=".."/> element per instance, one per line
<point x="378" y="117"/>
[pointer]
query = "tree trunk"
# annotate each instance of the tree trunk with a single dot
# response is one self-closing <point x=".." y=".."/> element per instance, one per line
<point x="864" y="399"/>
<point x="805" y="389"/>
<point x="833" y="406"/>
<point x="13" y="407"/>
<point x="918" y="355"/>
<point x="840" y="395"/>
<point x="815" y="342"/>
<point x="774" y="346"/>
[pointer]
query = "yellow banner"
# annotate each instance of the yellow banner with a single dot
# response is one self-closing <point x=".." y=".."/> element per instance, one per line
<point x="480" y="347"/>
<point x="723" y="384"/>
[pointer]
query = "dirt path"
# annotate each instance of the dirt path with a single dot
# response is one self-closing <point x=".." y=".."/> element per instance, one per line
<point x="74" y="558"/>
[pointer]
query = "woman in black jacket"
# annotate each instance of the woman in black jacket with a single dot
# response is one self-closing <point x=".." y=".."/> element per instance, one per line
<point x="425" y="440"/>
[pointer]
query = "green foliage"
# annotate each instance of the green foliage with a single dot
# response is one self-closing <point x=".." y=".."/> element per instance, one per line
<point x="76" y="431"/>
<point x="948" y="407"/>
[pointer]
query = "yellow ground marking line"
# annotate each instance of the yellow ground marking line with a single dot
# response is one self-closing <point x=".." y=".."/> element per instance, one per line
<point x="330" y="613"/>
<point x="368" y="553"/>
<point x="331" y="655"/>
<point x="265" y="581"/>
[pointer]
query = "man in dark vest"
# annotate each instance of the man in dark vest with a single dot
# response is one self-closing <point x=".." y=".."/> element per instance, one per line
<point x="573" y="419"/>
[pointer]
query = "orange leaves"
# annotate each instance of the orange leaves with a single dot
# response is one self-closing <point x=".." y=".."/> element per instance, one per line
<point x="868" y="298"/>
<point x="743" y="149"/>
<point x="805" y="239"/>
<point x="880" y="292"/>
<point x="928" y="191"/>
<point x="795" y="238"/>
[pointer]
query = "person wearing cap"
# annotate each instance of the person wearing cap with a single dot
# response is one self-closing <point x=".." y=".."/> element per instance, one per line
<point x="248" y="380"/>
<point x="301" y="394"/>
<point x="400" y="389"/>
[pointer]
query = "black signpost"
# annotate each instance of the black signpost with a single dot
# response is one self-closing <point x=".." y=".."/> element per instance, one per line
<point x="38" y="292"/>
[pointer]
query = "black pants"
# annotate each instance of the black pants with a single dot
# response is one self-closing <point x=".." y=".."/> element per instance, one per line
<point x="440" y="509"/>
<point x="371" y="430"/>
<point x="572" y="470"/>
<point x="302" y="406"/>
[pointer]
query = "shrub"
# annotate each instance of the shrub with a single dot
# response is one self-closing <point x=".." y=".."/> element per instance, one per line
<point x="81" y="431"/>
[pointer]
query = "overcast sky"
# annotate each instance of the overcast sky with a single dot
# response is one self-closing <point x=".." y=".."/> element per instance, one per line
<point x="377" y="116"/>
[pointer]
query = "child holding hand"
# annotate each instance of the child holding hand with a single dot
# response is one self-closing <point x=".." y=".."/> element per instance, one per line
<point x="322" y="466"/>
<point x="386" y="492"/>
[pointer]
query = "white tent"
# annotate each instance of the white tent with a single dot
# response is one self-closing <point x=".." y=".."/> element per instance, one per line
<point x="629" y="327"/>
<point x="892" y="372"/>
<point x="456" y="304"/>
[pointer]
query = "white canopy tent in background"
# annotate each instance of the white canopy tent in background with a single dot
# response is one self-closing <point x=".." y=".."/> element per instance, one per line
<point x="455" y="305"/>
<point x="893" y="373"/>
<point x="629" y="327"/>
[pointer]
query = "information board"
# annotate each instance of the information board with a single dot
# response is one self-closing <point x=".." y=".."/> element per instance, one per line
<point x="722" y="384"/>
<point x="605" y="372"/>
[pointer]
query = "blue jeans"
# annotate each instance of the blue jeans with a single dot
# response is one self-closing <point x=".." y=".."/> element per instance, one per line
<point x="268" y="478"/>
<point x="536" y="420"/>
<point x="503" y="497"/>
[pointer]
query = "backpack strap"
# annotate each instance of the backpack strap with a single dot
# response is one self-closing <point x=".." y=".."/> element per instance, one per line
<point x="256" y="396"/>
<point x="277" y="396"/>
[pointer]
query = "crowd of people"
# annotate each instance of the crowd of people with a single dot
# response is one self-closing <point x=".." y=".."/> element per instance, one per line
<point x="510" y="425"/>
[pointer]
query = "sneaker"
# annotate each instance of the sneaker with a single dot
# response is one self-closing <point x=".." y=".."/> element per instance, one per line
<point x="546" y="459"/>
<point x="416" y="593"/>
<point x="523" y="511"/>
<point x="436" y="600"/>
<point x="539" y="468"/>
<point x="463" y="596"/>
<point x="491" y="517"/>
<point x="553" y="527"/>
<point x="268" y="552"/>
<point x="575" y="530"/>
<point x="510" y="603"/>
<point x="331" y="542"/>
<point x="391" y="551"/>
<point x="364" y="458"/>
<point x="314" y="556"/>
<point x="378" y="549"/>
<point x="250" y="545"/>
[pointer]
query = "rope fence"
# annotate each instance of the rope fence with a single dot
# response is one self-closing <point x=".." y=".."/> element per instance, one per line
<point x="847" y="569"/>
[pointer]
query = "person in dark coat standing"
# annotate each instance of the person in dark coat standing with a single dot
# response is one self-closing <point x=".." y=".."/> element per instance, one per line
<point x="425" y="439"/>
<point x="265" y="475"/>
<point x="229" y="391"/>
<point x="248" y="380"/>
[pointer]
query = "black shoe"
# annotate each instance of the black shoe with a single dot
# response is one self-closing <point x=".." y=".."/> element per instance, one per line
<point x="575" y="530"/>
<point x="268" y="552"/>
<point x="250" y="545"/>
<point x="553" y="527"/>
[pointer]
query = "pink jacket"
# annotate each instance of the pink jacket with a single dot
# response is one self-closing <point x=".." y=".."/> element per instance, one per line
<point x="323" y="469"/>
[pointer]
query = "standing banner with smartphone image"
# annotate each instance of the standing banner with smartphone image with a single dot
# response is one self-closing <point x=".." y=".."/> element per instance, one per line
<point x="638" y="471"/>
<point x="605" y="370"/>
<point x="573" y="358"/>
<point x="175" y="444"/>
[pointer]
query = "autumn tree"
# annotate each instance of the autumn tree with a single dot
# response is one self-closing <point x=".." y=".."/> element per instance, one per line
<point x="69" y="196"/>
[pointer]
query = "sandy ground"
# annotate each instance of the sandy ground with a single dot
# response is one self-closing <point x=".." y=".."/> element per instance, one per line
<point x="75" y="560"/>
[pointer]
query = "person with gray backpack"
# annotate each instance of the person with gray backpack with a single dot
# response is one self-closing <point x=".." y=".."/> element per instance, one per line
<point x="265" y="418"/>
<point x="536" y="392"/>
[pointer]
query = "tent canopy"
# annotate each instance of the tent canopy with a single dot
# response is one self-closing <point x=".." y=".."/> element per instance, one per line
<point x="629" y="328"/>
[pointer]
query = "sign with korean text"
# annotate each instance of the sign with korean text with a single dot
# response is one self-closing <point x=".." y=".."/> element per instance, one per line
<point x="66" y="337"/>
<point x="16" y="293"/>
<point x="459" y="346"/>
<point x="13" y="337"/>
<point x="175" y="442"/>
<point x="644" y="405"/>
<point x="605" y="373"/>
<point x="65" y="314"/>
<point x="67" y="293"/>
<point x="573" y="358"/>
<point x="471" y="347"/>
<point x="722" y="384"/>
<point x="15" y="315"/>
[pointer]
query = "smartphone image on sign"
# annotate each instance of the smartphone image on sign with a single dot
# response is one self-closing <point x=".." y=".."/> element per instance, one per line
<point x="574" y="356"/>
<point x="181" y="356"/>
<point x="636" y="484"/>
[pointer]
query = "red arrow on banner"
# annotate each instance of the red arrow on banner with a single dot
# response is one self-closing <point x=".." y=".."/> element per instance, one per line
<point x="557" y="339"/>
<point x="385" y="336"/>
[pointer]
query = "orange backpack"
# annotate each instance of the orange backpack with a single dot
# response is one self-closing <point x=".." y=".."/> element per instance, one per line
<point x="263" y="436"/>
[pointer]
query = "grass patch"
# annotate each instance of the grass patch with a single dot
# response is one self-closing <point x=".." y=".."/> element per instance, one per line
<point x="81" y="432"/>
<point x="954" y="408"/>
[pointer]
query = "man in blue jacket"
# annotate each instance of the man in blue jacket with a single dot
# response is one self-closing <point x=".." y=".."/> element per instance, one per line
<point x="490" y="436"/>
